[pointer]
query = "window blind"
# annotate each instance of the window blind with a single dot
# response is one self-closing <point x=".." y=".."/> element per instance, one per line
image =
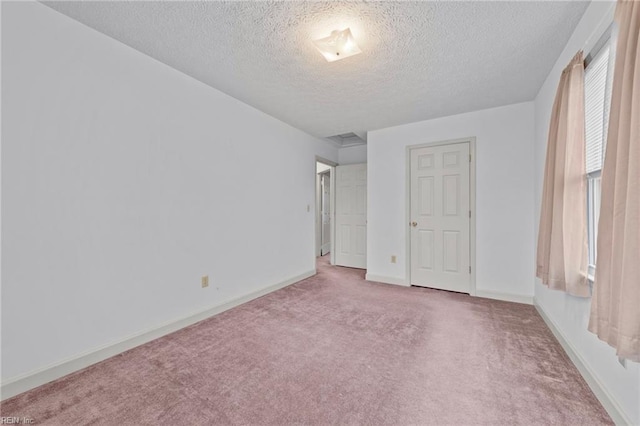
<point x="596" y="98"/>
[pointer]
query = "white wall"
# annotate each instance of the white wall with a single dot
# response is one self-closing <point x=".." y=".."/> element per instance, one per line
<point x="352" y="155"/>
<point x="0" y="207"/>
<point x="504" y="206"/>
<point x="123" y="182"/>
<point x="571" y="314"/>
<point x="321" y="167"/>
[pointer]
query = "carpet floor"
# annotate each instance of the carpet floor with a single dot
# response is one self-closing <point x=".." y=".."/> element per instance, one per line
<point x="334" y="349"/>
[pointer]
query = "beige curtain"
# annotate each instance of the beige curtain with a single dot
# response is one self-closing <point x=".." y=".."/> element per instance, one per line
<point x="562" y="236"/>
<point x="615" y="307"/>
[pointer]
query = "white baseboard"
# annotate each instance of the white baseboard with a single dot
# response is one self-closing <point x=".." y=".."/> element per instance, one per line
<point x="60" y="369"/>
<point x="606" y="399"/>
<point x="386" y="280"/>
<point x="507" y="297"/>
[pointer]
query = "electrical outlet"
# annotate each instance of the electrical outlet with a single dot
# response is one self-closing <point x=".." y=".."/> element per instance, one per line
<point x="205" y="281"/>
<point x="393" y="259"/>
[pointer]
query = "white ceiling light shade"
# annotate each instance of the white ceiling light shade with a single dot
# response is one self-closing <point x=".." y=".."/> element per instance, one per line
<point x="339" y="45"/>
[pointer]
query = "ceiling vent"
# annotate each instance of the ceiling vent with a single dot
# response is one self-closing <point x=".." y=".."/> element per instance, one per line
<point x="349" y="139"/>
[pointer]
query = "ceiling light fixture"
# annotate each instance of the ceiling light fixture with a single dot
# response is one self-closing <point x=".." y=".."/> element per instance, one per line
<point x="339" y="45"/>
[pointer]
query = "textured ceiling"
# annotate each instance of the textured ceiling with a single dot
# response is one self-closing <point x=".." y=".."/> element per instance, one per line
<point x="420" y="60"/>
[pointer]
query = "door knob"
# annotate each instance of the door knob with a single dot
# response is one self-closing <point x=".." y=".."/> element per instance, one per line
<point x="414" y="224"/>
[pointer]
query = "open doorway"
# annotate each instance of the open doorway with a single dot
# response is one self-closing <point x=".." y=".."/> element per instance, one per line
<point x="325" y="185"/>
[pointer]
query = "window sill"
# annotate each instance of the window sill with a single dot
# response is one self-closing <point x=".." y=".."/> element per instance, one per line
<point x="591" y="273"/>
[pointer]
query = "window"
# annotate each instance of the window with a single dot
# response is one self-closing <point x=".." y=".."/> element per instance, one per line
<point x="597" y="89"/>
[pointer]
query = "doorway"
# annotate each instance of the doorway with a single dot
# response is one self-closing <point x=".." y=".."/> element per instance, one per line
<point x="441" y="210"/>
<point x="325" y="172"/>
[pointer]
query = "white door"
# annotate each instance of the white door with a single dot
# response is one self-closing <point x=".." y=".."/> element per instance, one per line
<point x="440" y="217"/>
<point x="351" y="216"/>
<point x="325" y="203"/>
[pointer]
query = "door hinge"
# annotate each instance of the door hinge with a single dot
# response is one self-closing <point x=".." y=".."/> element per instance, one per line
<point x="469" y="213"/>
<point x="469" y="269"/>
<point x="469" y="157"/>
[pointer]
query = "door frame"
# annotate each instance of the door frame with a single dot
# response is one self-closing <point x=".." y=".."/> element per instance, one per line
<point x="472" y="205"/>
<point x="332" y="206"/>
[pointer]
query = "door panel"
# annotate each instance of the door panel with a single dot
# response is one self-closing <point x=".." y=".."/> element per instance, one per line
<point x="351" y="216"/>
<point x="425" y="187"/>
<point x="440" y="217"/>
<point x="426" y="249"/>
